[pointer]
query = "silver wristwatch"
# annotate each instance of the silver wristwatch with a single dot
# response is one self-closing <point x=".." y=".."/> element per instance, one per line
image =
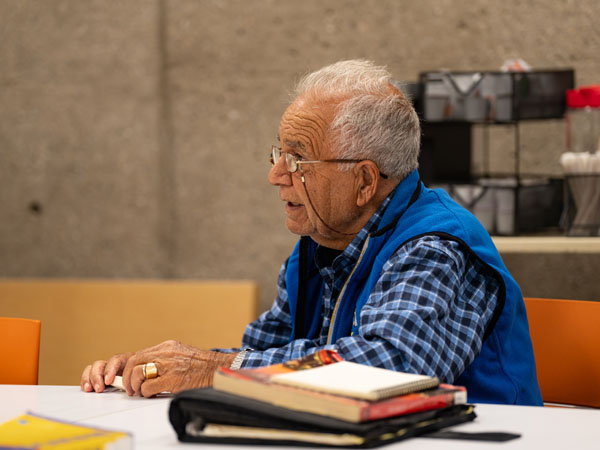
<point x="239" y="359"/>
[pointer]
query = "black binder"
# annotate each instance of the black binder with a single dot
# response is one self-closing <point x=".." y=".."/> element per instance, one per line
<point x="206" y="415"/>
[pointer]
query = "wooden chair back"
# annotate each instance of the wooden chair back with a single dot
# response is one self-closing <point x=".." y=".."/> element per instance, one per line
<point x="86" y="320"/>
<point x="566" y="343"/>
<point x="19" y="350"/>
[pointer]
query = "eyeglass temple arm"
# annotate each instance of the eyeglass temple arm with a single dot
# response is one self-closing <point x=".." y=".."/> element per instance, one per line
<point x="341" y="161"/>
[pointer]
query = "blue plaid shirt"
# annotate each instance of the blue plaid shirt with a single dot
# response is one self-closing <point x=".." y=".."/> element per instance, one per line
<point x="427" y="313"/>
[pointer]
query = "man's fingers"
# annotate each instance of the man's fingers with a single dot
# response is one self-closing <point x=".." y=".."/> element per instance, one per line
<point x="85" y="384"/>
<point x="132" y="374"/>
<point x="100" y="374"/>
<point x="136" y="359"/>
<point x="127" y="376"/>
<point x="113" y="367"/>
<point x="136" y="380"/>
<point x="97" y="375"/>
<point x="155" y="386"/>
<point x="139" y="378"/>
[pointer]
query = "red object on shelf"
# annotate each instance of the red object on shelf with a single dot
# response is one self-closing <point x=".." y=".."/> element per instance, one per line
<point x="584" y="96"/>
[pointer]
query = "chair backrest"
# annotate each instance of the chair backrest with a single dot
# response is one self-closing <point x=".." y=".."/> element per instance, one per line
<point x="19" y="350"/>
<point x="566" y="343"/>
<point x="87" y="320"/>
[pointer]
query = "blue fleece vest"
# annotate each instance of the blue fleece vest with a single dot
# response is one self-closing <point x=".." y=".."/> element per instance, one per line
<point x="504" y="371"/>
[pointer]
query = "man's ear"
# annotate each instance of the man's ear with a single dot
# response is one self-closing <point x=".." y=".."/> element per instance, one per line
<point x="367" y="181"/>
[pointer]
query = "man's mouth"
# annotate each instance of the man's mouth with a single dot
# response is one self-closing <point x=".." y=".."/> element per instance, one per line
<point x="293" y="204"/>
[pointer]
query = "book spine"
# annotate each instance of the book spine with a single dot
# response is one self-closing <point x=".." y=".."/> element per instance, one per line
<point x="412" y="403"/>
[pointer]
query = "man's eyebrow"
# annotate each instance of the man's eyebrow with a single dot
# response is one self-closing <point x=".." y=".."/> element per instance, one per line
<point x="294" y="145"/>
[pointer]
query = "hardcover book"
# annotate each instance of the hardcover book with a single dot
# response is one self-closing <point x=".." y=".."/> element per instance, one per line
<point x="258" y="384"/>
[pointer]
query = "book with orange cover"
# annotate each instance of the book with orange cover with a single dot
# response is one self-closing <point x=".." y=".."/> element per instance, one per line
<point x="257" y="383"/>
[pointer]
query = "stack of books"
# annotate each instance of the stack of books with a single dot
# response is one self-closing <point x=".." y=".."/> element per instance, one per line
<point x="317" y="400"/>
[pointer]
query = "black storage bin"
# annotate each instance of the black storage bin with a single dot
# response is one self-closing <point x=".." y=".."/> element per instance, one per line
<point x="445" y="152"/>
<point x="509" y="207"/>
<point x="494" y="96"/>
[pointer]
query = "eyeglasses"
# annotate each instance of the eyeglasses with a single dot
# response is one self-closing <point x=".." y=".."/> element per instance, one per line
<point x="293" y="163"/>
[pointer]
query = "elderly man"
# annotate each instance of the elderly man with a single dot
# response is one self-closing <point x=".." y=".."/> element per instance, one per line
<point x="386" y="272"/>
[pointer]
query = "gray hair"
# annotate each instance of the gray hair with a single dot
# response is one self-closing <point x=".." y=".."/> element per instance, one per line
<point x="373" y="120"/>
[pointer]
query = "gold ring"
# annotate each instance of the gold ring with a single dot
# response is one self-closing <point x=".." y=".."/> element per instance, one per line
<point x="149" y="371"/>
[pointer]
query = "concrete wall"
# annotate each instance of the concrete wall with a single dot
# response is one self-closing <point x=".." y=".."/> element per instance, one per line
<point x="134" y="135"/>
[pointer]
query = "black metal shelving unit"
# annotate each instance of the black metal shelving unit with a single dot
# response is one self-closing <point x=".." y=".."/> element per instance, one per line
<point x="537" y="95"/>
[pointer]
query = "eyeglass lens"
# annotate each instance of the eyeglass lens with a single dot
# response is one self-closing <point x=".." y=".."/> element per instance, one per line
<point x="290" y="161"/>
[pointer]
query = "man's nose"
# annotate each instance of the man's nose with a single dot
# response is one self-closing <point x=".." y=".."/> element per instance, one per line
<point x="279" y="175"/>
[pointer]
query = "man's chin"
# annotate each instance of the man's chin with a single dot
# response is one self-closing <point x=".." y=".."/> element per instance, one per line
<point x="297" y="228"/>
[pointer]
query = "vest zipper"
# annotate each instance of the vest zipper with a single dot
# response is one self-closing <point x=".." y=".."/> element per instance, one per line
<point x="338" y="301"/>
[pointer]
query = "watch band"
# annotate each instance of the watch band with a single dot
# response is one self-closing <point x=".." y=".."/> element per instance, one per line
<point x="238" y="360"/>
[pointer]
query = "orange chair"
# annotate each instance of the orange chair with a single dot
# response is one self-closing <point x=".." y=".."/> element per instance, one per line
<point x="566" y="344"/>
<point x="19" y="350"/>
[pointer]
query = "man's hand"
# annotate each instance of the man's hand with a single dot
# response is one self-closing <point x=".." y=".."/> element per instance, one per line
<point x="102" y="373"/>
<point x="179" y="367"/>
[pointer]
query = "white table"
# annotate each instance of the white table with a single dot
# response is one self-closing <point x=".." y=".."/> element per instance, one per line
<point x="147" y="420"/>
